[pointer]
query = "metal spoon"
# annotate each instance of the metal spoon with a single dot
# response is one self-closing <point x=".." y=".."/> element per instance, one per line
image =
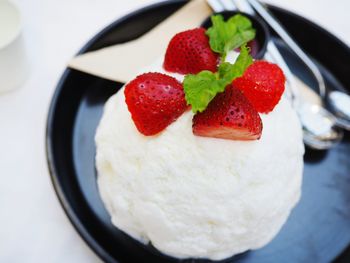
<point x="320" y="130"/>
<point x="339" y="103"/>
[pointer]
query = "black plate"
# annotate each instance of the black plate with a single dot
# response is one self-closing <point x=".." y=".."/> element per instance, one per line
<point x="318" y="230"/>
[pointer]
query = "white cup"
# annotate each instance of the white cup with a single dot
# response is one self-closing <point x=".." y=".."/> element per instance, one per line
<point x="13" y="59"/>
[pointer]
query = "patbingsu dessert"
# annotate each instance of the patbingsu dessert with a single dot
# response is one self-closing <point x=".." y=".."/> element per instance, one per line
<point x="201" y="154"/>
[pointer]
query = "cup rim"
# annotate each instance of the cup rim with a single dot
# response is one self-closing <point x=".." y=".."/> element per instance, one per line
<point x="18" y="28"/>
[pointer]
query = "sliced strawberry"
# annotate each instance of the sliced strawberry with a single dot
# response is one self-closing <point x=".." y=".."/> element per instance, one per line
<point x="189" y="52"/>
<point x="154" y="100"/>
<point x="263" y="85"/>
<point x="228" y="116"/>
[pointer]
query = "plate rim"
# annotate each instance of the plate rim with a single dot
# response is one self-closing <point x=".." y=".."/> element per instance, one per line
<point x="65" y="204"/>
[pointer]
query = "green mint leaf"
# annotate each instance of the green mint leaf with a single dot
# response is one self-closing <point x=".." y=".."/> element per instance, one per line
<point x="201" y="88"/>
<point x="245" y="31"/>
<point x="225" y="36"/>
<point x="220" y="33"/>
<point x="228" y="72"/>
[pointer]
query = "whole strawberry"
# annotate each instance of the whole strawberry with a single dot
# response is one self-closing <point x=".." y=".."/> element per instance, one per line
<point x="263" y="85"/>
<point x="189" y="53"/>
<point x="154" y="100"/>
<point x="228" y="116"/>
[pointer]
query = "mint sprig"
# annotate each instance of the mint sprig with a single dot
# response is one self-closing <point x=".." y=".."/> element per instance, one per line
<point x="227" y="35"/>
<point x="201" y="88"/>
<point x="229" y="72"/>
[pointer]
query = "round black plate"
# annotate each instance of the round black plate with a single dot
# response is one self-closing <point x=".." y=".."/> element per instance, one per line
<point x="318" y="230"/>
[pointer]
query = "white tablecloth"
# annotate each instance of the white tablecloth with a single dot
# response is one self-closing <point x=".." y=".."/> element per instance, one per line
<point x="33" y="226"/>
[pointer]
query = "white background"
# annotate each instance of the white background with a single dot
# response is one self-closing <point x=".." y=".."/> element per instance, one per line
<point x="33" y="227"/>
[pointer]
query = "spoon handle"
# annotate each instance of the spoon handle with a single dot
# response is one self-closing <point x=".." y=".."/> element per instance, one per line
<point x="291" y="43"/>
